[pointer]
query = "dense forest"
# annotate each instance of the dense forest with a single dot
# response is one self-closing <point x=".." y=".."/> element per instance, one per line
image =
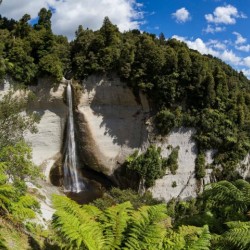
<point x="185" y="89"/>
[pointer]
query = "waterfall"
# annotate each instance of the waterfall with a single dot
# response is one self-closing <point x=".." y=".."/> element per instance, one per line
<point x="72" y="179"/>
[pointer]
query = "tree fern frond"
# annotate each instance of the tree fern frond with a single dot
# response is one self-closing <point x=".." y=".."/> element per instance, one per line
<point x="114" y="221"/>
<point x="62" y="203"/>
<point x="244" y="186"/>
<point x="6" y="193"/>
<point x="173" y="241"/>
<point x="76" y="226"/>
<point x="238" y="235"/>
<point x="92" y="210"/>
<point x="203" y="240"/>
<point x="25" y="208"/>
<point x="232" y="197"/>
<point x="147" y="228"/>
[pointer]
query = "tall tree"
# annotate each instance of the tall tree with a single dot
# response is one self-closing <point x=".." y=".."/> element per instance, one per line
<point x="44" y="20"/>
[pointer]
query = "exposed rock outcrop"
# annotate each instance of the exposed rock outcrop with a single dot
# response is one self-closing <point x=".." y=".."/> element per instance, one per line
<point x="111" y="122"/>
<point x="183" y="184"/>
<point x="47" y="143"/>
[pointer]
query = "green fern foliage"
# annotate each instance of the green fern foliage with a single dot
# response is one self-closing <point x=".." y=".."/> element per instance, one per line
<point x="6" y="192"/>
<point x="118" y="227"/>
<point x="25" y="208"/>
<point x="75" y="226"/>
<point x="201" y="239"/>
<point x="229" y="199"/>
<point x="188" y="238"/>
<point x="115" y="221"/>
<point x="123" y="227"/>
<point x="146" y="229"/>
<point x="173" y="241"/>
<point x="238" y="235"/>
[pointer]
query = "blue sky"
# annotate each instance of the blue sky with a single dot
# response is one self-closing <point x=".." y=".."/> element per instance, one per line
<point x="220" y="28"/>
<point x="217" y="27"/>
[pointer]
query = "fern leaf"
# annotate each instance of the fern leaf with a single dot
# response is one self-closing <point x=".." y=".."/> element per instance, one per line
<point x="147" y="228"/>
<point x="115" y="220"/>
<point x="25" y="208"/>
<point x="238" y="235"/>
<point x="77" y="227"/>
<point x="6" y="193"/>
<point x="203" y="240"/>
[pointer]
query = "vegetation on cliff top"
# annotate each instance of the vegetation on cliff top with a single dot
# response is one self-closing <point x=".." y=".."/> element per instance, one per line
<point x="186" y="88"/>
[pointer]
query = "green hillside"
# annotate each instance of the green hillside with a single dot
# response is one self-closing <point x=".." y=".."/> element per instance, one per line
<point x="184" y="87"/>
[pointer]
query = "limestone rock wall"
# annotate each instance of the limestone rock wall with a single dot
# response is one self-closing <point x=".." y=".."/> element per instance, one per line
<point x="49" y="105"/>
<point x="111" y="122"/>
<point x="183" y="184"/>
<point x="47" y="142"/>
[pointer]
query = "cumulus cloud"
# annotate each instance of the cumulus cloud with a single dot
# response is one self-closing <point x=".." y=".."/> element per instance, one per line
<point x="246" y="72"/>
<point x="224" y="14"/>
<point x="227" y="55"/>
<point x="239" y="38"/>
<point x="69" y="14"/>
<point x="230" y="57"/>
<point x="216" y="44"/>
<point x="181" y="15"/>
<point x="212" y="30"/>
<point x="198" y="44"/>
<point x="247" y="61"/>
<point x="245" y="48"/>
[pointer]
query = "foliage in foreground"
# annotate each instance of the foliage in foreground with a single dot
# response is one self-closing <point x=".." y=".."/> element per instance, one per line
<point x="224" y="207"/>
<point x="122" y="227"/>
<point x="16" y="168"/>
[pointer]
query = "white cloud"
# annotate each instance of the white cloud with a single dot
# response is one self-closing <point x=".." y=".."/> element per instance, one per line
<point x="69" y="14"/>
<point x="239" y="38"/>
<point x="247" y="61"/>
<point x="198" y="44"/>
<point x="213" y="30"/>
<point x="224" y="14"/>
<point x="227" y="55"/>
<point x="245" y="48"/>
<point x="246" y="72"/>
<point x="216" y="44"/>
<point x="230" y="57"/>
<point x="181" y="15"/>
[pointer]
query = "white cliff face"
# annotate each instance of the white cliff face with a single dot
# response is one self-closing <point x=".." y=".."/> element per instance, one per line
<point x="49" y="105"/>
<point x="47" y="142"/>
<point x="112" y="122"/>
<point x="183" y="184"/>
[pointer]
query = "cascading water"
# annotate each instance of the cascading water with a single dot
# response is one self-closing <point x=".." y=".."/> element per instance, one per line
<point x="72" y="180"/>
